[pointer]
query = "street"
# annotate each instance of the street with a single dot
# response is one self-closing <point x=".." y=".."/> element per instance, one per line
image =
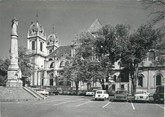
<point x="79" y="106"/>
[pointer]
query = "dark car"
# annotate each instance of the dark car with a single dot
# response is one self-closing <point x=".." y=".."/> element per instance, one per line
<point x="159" y="94"/>
<point x="53" y="92"/>
<point x="120" y="95"/>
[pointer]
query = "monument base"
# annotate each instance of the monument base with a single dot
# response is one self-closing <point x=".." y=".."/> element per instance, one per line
<point x="14" y="83"/>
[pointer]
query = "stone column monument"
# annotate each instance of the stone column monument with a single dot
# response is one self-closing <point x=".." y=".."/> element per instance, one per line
<point x="14" y="72"/>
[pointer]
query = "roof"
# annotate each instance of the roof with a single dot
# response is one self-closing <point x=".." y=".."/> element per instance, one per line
<point x="62" y="50"/>
<point x="36" y="29"/>
<point x="95" y="27"/>
<point x="52" y="40"/>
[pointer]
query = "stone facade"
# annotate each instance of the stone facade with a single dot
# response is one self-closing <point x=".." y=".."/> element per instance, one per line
<point x="50" y="58"/>
<point x="151" y="73"/>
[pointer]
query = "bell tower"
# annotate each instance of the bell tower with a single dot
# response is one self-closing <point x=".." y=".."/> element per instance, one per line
<point x="52" y="43"/>
<point x="36" y="44"/>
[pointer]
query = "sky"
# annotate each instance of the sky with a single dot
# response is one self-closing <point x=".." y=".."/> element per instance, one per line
<point x="68" y="17"/>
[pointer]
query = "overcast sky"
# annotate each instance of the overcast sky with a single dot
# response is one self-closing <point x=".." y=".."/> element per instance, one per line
<point x="69" y="17"/>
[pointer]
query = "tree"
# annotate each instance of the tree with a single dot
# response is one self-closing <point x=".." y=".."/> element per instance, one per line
<point x="24" y="62"/>
<point x="74" y="71"/>
<point x="140" y="42"/>
<point x="3" y="71"/>
<point x="158" y="7"/>
<point x="110" y="45"/>
<point x="117" y="43"/>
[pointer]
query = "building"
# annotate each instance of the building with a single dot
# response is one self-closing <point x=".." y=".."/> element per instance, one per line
<point x="151" y="72"/>
<point x="50" y="58"/>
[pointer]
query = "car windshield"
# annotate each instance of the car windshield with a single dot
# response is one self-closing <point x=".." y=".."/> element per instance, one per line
<point x="99" y="92"/>
<point x="140" y="92"/>
<point x="120" y="92"/>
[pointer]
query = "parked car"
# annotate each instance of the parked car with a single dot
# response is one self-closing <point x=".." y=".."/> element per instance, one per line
<point x="101" y="95"/>
<point x="53" y="92"/>
<point x="43" y="92"/>
<point x="141" y="96"/>
<point x="90" y="93"/>
<point x="159" y="94"/>
<point x="120" y="95"/>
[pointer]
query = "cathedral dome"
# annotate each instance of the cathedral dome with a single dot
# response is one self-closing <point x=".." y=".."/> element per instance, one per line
<point x="52" y="40"/>
<point x="36" y="30"/>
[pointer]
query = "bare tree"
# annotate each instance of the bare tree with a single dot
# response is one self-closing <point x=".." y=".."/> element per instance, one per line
<point x="158" y="9"/>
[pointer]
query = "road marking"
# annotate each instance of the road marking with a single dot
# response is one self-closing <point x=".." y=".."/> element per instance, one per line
<point x="160" y="106"/>
<point x="66" y="102"/>
<point x="83" y="103"/>
<point x="106" y="105"/>
<point x="133" y="106"/>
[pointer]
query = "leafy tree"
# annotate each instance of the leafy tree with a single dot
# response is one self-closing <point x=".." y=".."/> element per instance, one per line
<point x="24" y="62"/>
<point x="110" y="45"/>
<point x="140" y="42"/>
<point x="73" y="71"/>
<point x="3" y="71"/>
<point x="117" y="43"/>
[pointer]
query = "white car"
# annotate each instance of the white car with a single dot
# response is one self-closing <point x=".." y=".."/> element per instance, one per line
<point x="101" y="95"/>
<point x="141" y="96"/>
<point x="43" y="92"/>
<point x="89" y="93"/>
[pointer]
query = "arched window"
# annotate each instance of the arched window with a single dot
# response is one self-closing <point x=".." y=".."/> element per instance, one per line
<point x="62" y="64"/>
<point x="140" y="81"/>
<point x="33" y="45"/>
<point x="52" y="65"/>
<point x="114" y="77"/>
<point x="113" y="87"/>
<point x="50" y="59"/>
<point x="41" y="46"/>
<point x="158" y="80"/>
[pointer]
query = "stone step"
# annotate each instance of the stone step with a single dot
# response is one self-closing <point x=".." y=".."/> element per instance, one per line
<point x="34" y="93"/>
<point x="15" y="94"/>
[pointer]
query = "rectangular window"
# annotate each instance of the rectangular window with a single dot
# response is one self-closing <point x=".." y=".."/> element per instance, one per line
<point x="50" y="51"/>
<point x="151" y="56"/>
<point x="113" y="87"/>
<point x="41" y="46"/>
<point x="140" y="81"/>
<point x="122" y="86"/>
<point x="33" y="45"/>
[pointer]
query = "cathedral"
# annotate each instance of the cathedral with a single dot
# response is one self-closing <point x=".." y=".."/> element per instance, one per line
<point x="50" y="58"/>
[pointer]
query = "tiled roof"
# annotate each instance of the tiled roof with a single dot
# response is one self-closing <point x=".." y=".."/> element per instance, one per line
<point x="95" y="27"/>
<point x="62" y="50"/>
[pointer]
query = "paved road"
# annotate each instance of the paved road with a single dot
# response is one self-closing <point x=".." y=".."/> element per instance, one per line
<point x="75" y="106"/>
